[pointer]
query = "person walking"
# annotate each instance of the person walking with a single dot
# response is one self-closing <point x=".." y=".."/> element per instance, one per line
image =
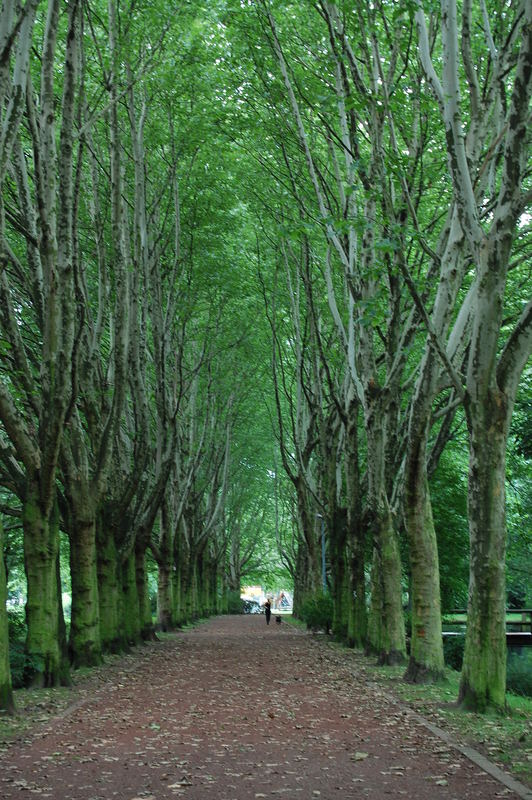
<point x="268" y="610"/>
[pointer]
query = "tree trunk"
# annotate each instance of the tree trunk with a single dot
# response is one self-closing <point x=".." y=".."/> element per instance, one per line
<point x="483" y="680"/>
<point x="340" y="590"/>
<point x="165" y="602"/>
<point x="386" y="623"/>
<point x="147" y="631"/>
<point x="308" y="526"/>
<point x="387" y="630"/>
<point x="109" y="588"/>
<point x="426" y="650"/>
<point x="85" y="644"/>
<point x="192" y="600"/>
<point x="129" y="601"/>
<point x="178" y="617"/>
<point x="41" y="548"/>
<point x="357" y="622"/>
<point x="6" y="693"/>
<point x="62" y="636"/>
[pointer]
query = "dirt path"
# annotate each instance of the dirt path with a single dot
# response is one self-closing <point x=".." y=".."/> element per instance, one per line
<point x="236" y="710"/>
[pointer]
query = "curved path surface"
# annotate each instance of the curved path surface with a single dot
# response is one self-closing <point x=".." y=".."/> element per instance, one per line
<point x="236" y="710"/>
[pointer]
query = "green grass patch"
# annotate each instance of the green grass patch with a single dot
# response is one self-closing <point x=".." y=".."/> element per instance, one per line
<point x="33" y="706"/>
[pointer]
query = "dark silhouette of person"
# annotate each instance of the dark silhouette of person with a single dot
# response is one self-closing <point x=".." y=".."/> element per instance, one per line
<point x="268" y="610"/>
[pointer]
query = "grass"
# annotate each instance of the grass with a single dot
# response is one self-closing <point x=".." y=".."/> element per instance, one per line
<point x="33" y="706"/>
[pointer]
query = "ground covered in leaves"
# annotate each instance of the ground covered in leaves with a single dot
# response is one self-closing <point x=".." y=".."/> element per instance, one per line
<point x="231" y="710"/>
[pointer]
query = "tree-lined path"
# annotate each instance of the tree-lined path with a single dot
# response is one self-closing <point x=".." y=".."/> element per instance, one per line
<point x="232" y="710"/>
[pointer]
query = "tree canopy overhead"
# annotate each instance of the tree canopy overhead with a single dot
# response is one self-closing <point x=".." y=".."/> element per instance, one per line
<point x="265" y="310"/>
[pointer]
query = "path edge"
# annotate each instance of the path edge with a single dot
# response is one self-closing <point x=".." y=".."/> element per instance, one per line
<point x="469" y="752"/>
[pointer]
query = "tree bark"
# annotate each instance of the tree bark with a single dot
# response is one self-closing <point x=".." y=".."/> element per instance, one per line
<point x="41" y="548"/>
<point x="112" y="635"/>
<point x="356" y="534"/>
<point x="386" y="628"/>
<point x="129" y="601"/>
<point x="492" y="378"/>
<point x="147" y="630"/>
<point x="426" y="647"/>
<point x="6" y="694"/>
<point x="85" y="643"/>
<point x="483" y="679"/>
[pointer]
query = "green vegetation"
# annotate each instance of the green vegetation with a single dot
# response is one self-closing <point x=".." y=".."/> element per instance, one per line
<point x="317" y="613"/>
<point x="265" y="317"/>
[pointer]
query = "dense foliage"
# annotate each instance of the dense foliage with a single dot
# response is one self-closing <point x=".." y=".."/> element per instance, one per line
<point x="265" y="317"/>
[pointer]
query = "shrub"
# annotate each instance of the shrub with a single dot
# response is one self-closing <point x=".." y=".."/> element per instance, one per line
<point x="317" y="612"/>
<point x="519" y="673"/>
<point x="16" y="618"/>
<point x="234" y="603"/>
<point x="17" y="663"/>
<point x="453" y="651"/>
<point x="17" y="636"/>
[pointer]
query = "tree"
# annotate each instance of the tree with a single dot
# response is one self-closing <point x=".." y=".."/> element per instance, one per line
<point x="38" y="397"/>
<point x="493" y="373"/>
<point x="6" y="694"/>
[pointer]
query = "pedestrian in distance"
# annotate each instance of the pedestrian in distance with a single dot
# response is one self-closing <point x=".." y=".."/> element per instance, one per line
<point x="268" y="610"/>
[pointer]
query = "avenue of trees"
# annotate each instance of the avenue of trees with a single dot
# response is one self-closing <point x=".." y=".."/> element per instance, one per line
<point x="265" y="285"/>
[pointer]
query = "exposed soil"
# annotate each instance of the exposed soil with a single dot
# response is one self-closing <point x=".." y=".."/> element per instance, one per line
<point x="236" y="710"/>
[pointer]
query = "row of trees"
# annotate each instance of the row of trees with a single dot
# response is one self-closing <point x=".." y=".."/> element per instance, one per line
<point x="301" y="218"/>
<point x="396" y="150"/>
<point x="123" y="340"/>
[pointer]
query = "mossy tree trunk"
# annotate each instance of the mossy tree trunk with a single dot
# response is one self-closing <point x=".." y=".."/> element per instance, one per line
<point x="112" y="635"/>
<point x="85" y="643"/>
<point x="386" y="634"/>
<point x="41" y="549"/>
<point x="164" y="555"/>
<point x="311" y="541"/>
<point x="129" y="600"/>
<point x="426" y="649"/>
<point x="147" y="630"/>
<point x="6" y="693"/>
<point x="357" y="621"/>
<point x="500" y="344"/>
<point x="338" y="558"/>
<point x="33" y="415"/>
<point x="178" y="612"/>
<point x="483" y="678"/>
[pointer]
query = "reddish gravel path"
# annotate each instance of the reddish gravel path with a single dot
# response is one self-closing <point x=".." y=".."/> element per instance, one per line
<point x="236" y="710"/>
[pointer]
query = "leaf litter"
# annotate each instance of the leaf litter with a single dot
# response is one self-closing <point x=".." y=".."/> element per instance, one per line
<point x="232" y="710"/>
